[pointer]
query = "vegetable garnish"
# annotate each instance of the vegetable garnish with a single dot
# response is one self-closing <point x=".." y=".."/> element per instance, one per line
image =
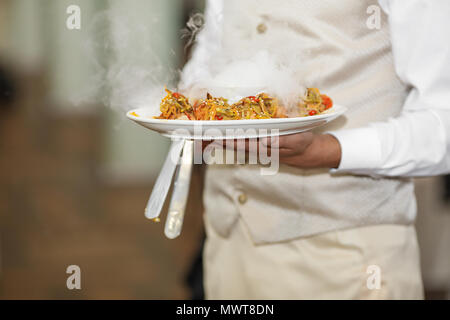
<point x="262" y="106"/>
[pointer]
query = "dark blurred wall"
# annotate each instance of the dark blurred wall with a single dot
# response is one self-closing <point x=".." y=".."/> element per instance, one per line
<point x="55" y="211"/>
<point x="57" y="205"/>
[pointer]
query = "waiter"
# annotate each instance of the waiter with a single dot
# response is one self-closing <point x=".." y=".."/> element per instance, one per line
<point x="337" y="220"/>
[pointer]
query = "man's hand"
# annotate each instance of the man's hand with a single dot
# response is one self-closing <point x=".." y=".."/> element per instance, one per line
<point x="307" y="150"/>
<point x="303" y="150"/>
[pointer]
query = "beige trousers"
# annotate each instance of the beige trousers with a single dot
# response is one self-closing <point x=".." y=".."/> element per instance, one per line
<point x="374" y="262"/>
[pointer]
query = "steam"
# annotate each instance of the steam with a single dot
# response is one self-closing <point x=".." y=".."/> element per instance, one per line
<point x="227" y="65"/>
<point x="245" y="77"/>
<point x="193" y="27"/>
<point x="132" y="75"/>
<point x="129" y="68"/>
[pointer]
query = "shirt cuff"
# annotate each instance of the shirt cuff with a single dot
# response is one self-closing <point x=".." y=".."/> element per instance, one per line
<point x="360" y="150"/>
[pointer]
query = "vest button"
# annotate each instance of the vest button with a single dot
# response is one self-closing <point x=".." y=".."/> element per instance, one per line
<point x="242" y="198"/>
<point x="261" y="28"/>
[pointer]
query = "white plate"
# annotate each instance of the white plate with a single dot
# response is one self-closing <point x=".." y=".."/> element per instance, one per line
<point x="232" y="129"/>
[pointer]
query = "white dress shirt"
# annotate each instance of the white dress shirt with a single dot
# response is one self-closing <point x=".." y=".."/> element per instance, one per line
<point x="417" y="143"/>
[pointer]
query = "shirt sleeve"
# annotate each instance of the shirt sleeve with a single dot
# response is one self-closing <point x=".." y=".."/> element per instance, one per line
<point x="416" y="143"/>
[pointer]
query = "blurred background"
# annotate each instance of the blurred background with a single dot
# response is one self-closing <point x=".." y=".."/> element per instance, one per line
<point x="75" y="175"/>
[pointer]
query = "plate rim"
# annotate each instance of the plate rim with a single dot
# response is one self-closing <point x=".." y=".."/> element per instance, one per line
<point x="338" y="112"/>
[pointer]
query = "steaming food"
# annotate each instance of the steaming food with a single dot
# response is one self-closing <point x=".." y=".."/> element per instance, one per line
<point x="176" y="106"/>
<point x="213" y="109"/>
<point x="314" y="103"/>
<point x="262" y="106"/>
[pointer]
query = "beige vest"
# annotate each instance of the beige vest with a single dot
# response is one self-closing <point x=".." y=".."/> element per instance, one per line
<point x="351" y="63"/>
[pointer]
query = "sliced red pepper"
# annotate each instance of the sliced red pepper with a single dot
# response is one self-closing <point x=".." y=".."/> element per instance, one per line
<point x="219" y="117"/>
<point x="312" y="112"/>
<point x="253" y="98"/>
<point x="177" y="95"/>
<point x="187" y="115"/>
<point x="326" y="101"/>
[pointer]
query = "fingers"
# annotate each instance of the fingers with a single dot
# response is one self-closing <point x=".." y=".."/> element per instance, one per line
<point x="289" y="145"/>
<point x="291" y="141"/>
<point x="248" y="145"/>
<point x="286" y="146"/>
